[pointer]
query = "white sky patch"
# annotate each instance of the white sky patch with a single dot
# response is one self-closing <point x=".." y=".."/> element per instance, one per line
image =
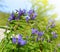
<point x="56" y="3"/>
<point x="16" y="4"/>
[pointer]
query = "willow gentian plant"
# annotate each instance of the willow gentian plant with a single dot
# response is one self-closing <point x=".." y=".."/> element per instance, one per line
<point x="26" y="36"/>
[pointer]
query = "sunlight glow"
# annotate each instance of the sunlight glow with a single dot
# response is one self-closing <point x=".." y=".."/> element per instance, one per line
<point x="56" y="3"/>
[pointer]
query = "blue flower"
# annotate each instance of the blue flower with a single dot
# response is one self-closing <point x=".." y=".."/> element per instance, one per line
<point x="21" y="12"/>
<point x="14" y="40"/>
<point x="12" y="17"/>
<point x="51" y="23"/>
<point x="24" y="12"/>
<point x="19" y="38"/>
<point x="22" y="42"/>
<point x="27" y="18"/>
<point x="54" y="34"/>
<point x="9" y="19"/>
<point x="40" y="33"/>
<point x="32" y="14"/>
<point x="34" y="31"/>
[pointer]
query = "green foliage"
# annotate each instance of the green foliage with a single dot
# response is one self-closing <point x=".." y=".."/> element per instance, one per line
<point x="42" y="22"/>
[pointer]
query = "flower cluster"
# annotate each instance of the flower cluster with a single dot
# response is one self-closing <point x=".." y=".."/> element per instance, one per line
<point x="54" y="34"/>
<point x="19" y="40"/>
<point x="31" y="14"/>
<point x="35" y="31"/>
<point x="51" y="23"/>
<point x="38" y="33"/>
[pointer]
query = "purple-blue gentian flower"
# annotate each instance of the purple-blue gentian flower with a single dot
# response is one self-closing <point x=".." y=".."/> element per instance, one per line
<point x="9" y="19"/>
<point x="12" y="17"/>
<point x="27" y="18"/>
<point x="19" y="38"/>
<point x="21" y="12"/>
<point x="24" y="12"/>
<point x="32" y="14"/>
<point x="34" y="31"/>
<point x="14" y="40"/>
<point x="54" y="34"/>
<point x="22" y="42"/>
<point x="40" y="33"/>
<point x="51" y="21"/>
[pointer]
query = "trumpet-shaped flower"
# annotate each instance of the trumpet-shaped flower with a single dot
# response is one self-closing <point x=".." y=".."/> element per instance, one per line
<point x="12" y="17"/>
<point x="32" y="14"/>
<point x="27" y="18"/>
<point x="14" y="40"/>
<point x="22" y="42"/>
<point x="34" y="31"/>
<point x="54" y="34"/>
<point x="40" y="33"/>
